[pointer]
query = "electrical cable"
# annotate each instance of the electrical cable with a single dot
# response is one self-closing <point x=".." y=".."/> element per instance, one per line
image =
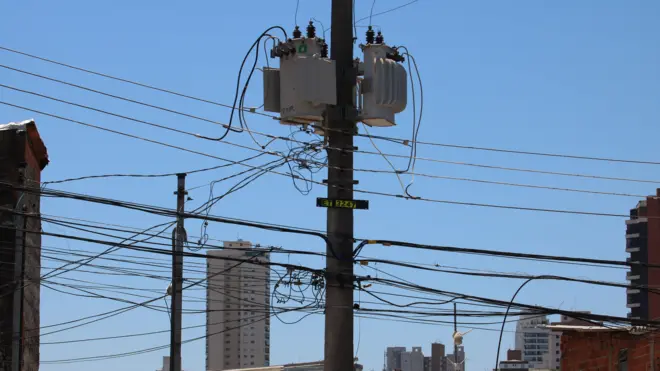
<point x="373" y="153"/>
<point x="187" y="172"/>
<point x="124" y="80"/>
<point x="169" y="212"/>
<point x="385" y="194"/>
<point x="505" y="254"/>
<point x="323" y="164"/>
<point x="398" y="140"/>
<point x="499" y="343"/>
<point x="590" y="316"/>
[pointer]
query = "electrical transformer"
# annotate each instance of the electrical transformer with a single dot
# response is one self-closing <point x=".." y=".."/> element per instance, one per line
<point x="383" y="89"/>
<point x="305" y="82"/>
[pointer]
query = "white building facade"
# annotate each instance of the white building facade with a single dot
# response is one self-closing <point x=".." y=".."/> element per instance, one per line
<point x="238" y="308"/>
<point x="539" y="346"/>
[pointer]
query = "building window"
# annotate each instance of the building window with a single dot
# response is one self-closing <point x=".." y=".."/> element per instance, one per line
<point x="623" y="360"/>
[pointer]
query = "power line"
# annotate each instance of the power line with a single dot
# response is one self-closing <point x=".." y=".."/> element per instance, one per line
<point x="412" y="157"/>
<point x="168" y="212"/>
<point x="294" y="176"/>
<point x="396" y="172"/>
<point x="129" y="81"/>
<point x="505" y="254"/>
<point x="398" y="140"/>
<point x="119" y="97"/>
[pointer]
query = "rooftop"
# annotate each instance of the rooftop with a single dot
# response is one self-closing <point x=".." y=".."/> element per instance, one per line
<point x="37" y="145"/>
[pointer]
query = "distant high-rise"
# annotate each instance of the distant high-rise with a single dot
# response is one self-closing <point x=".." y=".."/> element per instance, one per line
<point x="456" y="362"/>
<point x="438" y="359"/>
<point x="400" y="359"/>
<point x="393" y="358"/>
<point x="537" y="343"/>
<point x="643" y="245"/>
<point x="413" y="360"/>
<point x="238" y="308"/>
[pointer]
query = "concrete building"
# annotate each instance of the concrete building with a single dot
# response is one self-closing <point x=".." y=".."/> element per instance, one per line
<point x="539" y="345"/>
<point x="400" y="359"/>
<point x="305" y="366"/>
<point x="438" y="359"/>
<point x="643" y="245"/>
<point x="238" y="304"/>
<point x="456" y="362"/>
<point x="413" y="360"/>
<point x="513" y="361"/>
<point x="166" y="364"/>
<point x="393" y="358"/>
<point x="23" y="156"/>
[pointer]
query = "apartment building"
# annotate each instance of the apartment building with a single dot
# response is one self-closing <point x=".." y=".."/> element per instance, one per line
<point x="238" y="304"/>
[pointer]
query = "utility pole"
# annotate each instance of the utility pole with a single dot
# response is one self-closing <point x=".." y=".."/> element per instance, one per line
<point x="455" y="343"/>
<point x="340" y="121"/>
<point x="177" y="275"/>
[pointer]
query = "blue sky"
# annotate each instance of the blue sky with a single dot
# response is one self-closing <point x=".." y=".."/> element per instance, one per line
<point x="552" y="76"/>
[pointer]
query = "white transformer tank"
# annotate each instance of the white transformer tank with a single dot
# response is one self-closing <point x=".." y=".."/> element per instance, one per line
<point x="306" y="82"/>
<point x="384" y="89"/>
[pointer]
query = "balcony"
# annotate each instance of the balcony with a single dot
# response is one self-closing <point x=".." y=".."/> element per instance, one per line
<point x="635" y="221"/>
<point x="632" y="235"/>
<point x="633" y="305"/>
<point x="631" y="277"/>
<point x="632" y="249"/>
<point x="632" y="291"/>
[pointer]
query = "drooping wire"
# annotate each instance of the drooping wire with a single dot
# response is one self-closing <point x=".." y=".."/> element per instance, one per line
<point x="371" y="13"/>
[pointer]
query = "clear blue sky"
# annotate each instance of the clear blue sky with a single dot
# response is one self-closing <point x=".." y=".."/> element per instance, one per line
<point x="556" y="76"/>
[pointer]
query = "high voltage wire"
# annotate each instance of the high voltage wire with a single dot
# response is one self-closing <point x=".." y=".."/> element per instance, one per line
<point x="288" y="158"/>
<point x="399" y="140"/>
<point x="407" y="265"/>
<point x="294" y="176"/>
<point x="128" y="81"/>
<point x="273" y="137"/>
<point x="281" y="250"/>
<point x="385" y="281"/>
<point x="169" y="212"/>
<point x="547" y="277"/>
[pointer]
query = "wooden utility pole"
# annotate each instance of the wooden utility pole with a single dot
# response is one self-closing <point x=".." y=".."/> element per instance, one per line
<point x="455" y="344"/>
<point x="340" y="124"/>
<point x="177" y="275"/>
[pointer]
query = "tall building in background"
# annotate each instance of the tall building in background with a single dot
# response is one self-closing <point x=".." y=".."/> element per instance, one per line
<point x="643" y="245"/>
<point x="400" y="359"/>
<point x="238" y="308"/>
<point x="23" y="156"/>
<point x="456" y="362"/>
<point x="438" y="359"/>
<point x="413" y="360"/>
<point x="534" y="340"/>
<point x="393" y="358"/>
